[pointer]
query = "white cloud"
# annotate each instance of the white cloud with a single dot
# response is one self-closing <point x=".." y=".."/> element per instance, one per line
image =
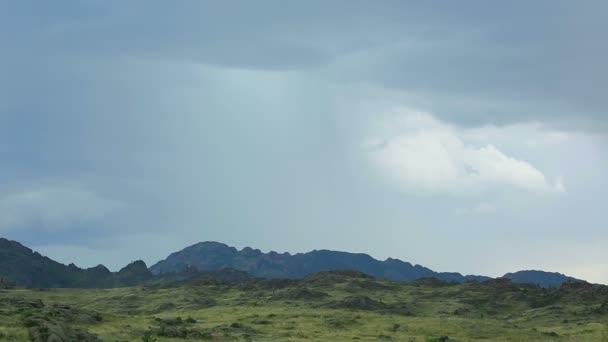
<point x="423" y="154"/>
<point x="52" y="208"/>
<point x="529" y="134"/>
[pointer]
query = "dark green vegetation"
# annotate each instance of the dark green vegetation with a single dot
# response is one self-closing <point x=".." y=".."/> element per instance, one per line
<point x="328" y="306"/>
<point x="55" y="322"/>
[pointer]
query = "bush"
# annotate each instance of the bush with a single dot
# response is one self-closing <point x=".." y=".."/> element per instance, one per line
<point x="438" y="339"/>
<point x="148" y="337"/>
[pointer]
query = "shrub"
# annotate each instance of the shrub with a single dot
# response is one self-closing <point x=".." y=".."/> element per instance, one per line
<point x="148" y="337"/>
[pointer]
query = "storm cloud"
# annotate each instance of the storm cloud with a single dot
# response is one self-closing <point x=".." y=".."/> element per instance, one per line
<point x="131" y="129"/>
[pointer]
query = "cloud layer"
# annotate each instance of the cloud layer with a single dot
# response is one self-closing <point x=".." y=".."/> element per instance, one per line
<point x="132" y="129"/>
<point x="54" y="208"/>
<point x="425" y="154"/>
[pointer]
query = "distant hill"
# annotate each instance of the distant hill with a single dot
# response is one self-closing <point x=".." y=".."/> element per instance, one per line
<point x="213" y="261"/>
<point x="541" y="278"/>
<point x="209" y="256"/>
<point x="23" y="267"/>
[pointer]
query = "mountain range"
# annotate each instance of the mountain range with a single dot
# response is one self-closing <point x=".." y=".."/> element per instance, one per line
<point x="23" y="267"/>
<point x="210" y="256"/>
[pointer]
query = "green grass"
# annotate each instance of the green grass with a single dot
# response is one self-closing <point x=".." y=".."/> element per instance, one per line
<point x="467" y="312"/>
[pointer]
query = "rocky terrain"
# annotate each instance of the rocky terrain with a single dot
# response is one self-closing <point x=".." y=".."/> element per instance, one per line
<point x="229" y="305"/>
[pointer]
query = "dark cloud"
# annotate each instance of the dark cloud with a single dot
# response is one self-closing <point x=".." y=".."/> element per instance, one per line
<point x="547" y="54"/>
<point x="230" y="120"/>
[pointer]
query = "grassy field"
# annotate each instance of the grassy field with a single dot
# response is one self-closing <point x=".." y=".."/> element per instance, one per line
<point x="331" y="306"/>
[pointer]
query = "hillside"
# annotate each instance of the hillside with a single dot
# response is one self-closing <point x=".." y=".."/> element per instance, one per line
<point x="21" y="266"/>
<point x="209" y="256"/>
<point x="328" y="306"/>
<point x="542" y="278"/>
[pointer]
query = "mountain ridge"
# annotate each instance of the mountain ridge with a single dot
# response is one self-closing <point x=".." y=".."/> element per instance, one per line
<point x="212" y="255"/>
<point x="542" y="278"/>
<point x="21" y="266"/>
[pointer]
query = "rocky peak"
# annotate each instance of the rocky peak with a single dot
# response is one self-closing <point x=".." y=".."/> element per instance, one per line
<point x="99" y="269"/>
<point x="137" y="266"/>
<point x="250" y="252"/>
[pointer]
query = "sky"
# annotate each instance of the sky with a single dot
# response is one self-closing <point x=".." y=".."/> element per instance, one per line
<point x="463" y="136"/>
